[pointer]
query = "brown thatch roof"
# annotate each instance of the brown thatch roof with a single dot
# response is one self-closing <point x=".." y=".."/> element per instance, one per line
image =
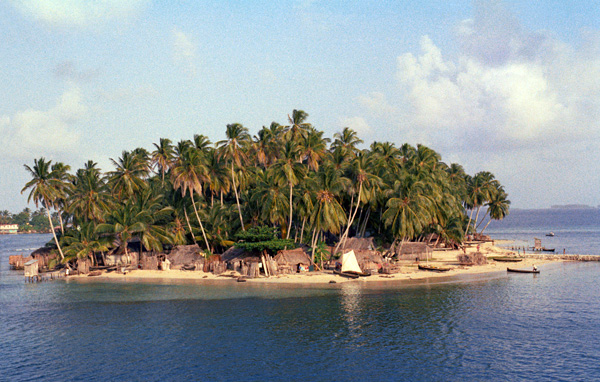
<point x="184" y="254"/>
<point x="357" y="243"/>
<point x="364" y="255"/>
<point x="239" y="254"/>
<point x="292" y="257"/>
<point x="412" y="248"/>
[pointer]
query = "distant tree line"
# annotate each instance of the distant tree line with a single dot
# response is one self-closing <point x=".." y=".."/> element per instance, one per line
<point x="29" y="221"/>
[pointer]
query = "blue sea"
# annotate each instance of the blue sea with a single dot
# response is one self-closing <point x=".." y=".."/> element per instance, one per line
<point x="493" y="327"/>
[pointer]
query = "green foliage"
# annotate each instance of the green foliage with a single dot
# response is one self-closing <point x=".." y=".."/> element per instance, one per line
<point x="262" y="239"/>
<point x="321" y="253"/>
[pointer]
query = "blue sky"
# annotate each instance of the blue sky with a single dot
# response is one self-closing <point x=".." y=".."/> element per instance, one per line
<point x="512" y="87"/>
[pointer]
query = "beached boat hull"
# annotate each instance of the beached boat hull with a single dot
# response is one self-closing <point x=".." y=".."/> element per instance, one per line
<point x="433" y="269"/>
<point x="507" y="259"/>
<point x="521" y="270"/>
<point x="346" y="274"/>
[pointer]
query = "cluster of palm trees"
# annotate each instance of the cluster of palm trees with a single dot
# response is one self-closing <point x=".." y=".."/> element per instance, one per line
<point x="287" y="176"/>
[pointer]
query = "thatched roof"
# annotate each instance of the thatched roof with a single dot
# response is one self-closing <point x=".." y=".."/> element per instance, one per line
<point x="239" y="254"/>
<point x="184" y="254"/>
<point x="292" y="257"/>
<point x="364" y="255"/>
<point x="412" y="248"/>
<point x="358" y="243"/>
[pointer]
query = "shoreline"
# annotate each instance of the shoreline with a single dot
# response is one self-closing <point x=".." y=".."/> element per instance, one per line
<point x="408" y="272"/>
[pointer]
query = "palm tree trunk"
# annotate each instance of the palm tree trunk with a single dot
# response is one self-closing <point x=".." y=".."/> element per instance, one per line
<point x="313" y="243"/>
<point x="488" y="223"/>
<point x="200" y="221"/>
<point x="189" y="225"/>
<point x="469" y="223"/>
<point x="237" y="199"/>
<point x="302" y="230"/>
<point x="62" y="256"/>
<point x="291" y="209"/>
<point x="477" y="217"/>
<point x="365" y="222"/>
<point x="351" y="219"/>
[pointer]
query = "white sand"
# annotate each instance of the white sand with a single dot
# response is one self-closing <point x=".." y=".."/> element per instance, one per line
<point x="408" y="271"/>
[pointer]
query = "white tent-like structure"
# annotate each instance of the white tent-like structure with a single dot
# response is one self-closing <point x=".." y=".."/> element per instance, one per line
<point x="349" y="263"/>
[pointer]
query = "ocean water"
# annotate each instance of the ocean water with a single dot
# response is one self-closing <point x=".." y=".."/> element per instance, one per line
<point x="577" y="231"/>
<point x="495" y="327"/>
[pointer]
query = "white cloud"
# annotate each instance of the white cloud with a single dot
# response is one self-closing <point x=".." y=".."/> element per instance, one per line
<point x="79" y="12"/>
<point x="36" y="132"/>
<point x="517" y="91"/>
<point x="184" y="50"/>
<point x="357" y="124"/>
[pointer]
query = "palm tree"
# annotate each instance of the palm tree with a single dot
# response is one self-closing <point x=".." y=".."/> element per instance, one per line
<point x="270" y="198"/>
<point x="217" y="174"/>
<point x="89" y="198"/>
<point x="363" y="177"/>
<point x="163" y="156"/>
<point x="288" y="170"/>
<point x="498" y="206"/>
<point x="45" y="189"/>
<point x="128" y="177"/>
<point x="480" y="190"/>
<point x="233" y="149"/>
<point x="266" y="144"/>
<point x="408" y="209"/>
<point x="188" y="174"/>
<point x="347" y="141"/>
<point x="328" y="214"/>
<point x="298" y="127"/>
<point x="123" y="223"/>
<point x="84" y="242"/>
<point x="313" y="149"/>
<point x="60" y="172"/>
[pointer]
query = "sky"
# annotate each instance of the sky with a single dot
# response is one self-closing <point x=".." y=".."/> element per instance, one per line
<point x="511" y="87"/>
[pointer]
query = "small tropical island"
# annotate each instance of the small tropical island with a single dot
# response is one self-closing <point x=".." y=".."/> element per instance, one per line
<point x="285" y="201"/>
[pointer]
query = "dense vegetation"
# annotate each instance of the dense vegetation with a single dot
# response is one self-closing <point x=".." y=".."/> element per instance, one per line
<point x="289" y="177"/>
<point x="29" y="221"/>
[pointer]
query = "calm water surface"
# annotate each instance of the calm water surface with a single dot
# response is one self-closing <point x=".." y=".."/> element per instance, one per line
<point x="499" y="328"/>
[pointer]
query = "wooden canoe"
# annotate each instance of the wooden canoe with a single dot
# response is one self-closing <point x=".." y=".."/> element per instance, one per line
<point x="432" y="268"/>
<point x="346" y="274"/>
<point x="522" y="270"/>
<point x="507" y="259"/>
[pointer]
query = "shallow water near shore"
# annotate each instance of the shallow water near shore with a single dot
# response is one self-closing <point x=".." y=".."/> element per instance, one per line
<point x="500" y="327"/>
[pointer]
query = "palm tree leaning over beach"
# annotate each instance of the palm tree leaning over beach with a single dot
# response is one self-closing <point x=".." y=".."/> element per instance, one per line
<point x="45" y="189"/>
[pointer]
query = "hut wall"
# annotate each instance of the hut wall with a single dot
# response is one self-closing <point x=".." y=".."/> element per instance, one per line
<point x="83" y="266"/>
<point x="31" y="268"/>
<point x="149" y="262"/>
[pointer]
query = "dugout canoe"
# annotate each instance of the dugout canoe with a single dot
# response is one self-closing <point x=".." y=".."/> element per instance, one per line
<point x="522" y="270"/>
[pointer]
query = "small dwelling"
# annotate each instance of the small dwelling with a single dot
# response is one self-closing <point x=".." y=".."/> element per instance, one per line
<point x="291" y="261"/>
<point x="31" y="268"/>
<point x="413" y="251"/>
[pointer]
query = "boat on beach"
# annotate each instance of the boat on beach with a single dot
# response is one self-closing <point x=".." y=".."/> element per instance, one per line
<point x="522" y="270"/>
<point x="433" y="268"/>
<point x="507" y="259"/>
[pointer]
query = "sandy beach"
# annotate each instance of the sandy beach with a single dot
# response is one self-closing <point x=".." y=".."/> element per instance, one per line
<point x="408" y="270"/>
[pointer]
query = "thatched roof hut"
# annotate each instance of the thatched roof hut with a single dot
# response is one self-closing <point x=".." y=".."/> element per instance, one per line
<point x="184" y="255"/>
<point x="412" y="251"/>
<point x="235" y="254"/>
<point x="358" y="243"/>
<point x="288" y="260"/>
